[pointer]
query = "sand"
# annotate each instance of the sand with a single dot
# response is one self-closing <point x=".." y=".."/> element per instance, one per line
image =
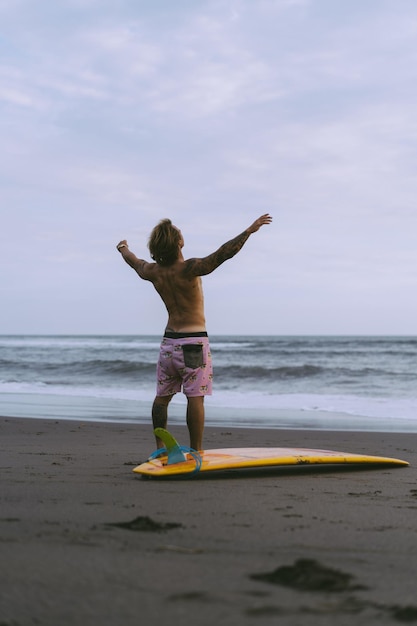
<point x="85" y="541"/>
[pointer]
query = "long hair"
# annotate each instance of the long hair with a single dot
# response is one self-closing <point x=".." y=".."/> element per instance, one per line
<point x="164" y="242"/>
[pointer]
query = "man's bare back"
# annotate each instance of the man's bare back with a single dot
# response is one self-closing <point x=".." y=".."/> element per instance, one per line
<point x="182" y="296"/>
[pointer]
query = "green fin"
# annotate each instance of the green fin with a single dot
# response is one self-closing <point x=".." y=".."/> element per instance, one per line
<point x="175" y="454"/>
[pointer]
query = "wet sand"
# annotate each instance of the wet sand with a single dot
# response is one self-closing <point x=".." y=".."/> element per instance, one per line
<point x="85" y="541"/>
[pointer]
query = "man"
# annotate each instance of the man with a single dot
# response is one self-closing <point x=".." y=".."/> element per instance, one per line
<point x="185" y="359"/>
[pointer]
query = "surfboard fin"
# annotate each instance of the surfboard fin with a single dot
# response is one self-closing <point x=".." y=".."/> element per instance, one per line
<point x="174" y="452"/>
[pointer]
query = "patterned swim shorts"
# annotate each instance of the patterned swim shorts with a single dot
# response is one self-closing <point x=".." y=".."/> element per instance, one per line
<point x="184" y="361"/>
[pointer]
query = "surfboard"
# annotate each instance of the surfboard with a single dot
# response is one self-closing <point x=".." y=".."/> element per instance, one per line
<point x="174" y="460"/>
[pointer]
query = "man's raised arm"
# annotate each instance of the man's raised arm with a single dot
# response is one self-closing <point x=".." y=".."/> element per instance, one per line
<point x="143" y="268"/>
<point x="206" y="265"/>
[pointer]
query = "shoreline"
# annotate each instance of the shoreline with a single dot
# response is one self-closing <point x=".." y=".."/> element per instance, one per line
<point x="202" y="546"/>
<point x="135" y="412"/>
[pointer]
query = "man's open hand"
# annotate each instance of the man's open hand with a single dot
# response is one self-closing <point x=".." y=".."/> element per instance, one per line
<point x="264" y="219"/>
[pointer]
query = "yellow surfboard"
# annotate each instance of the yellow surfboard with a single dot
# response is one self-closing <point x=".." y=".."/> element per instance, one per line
<point x="174" y="461"/>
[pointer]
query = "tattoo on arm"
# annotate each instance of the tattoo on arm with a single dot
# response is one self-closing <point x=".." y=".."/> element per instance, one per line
<point x="201" y="267"/>
<point x="232" y="247"/>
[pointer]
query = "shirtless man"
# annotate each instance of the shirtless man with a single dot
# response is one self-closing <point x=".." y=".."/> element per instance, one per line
<point x="185" y="359"/>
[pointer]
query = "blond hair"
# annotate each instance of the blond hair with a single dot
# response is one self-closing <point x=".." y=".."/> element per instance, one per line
<point x="164" y="243"/>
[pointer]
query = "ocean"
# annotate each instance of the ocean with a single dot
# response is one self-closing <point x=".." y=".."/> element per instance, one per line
<point x="360" y="383"/>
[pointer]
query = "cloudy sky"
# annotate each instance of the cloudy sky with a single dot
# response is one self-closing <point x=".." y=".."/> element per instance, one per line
<point x="117" y="113"/>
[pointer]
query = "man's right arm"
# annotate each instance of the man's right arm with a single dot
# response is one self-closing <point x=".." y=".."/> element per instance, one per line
<point x="141" y="267"/>
<point x="206" y="265"/>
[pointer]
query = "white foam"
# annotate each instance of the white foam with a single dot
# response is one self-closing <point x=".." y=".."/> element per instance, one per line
<point x="373" y="407"/>
<point x="378" y="407"/>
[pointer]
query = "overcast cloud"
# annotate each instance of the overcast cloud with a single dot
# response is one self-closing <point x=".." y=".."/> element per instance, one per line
<point x="117" y="113"/>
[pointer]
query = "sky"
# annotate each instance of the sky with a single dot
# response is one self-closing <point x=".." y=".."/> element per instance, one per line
<point x="118" y="113"/>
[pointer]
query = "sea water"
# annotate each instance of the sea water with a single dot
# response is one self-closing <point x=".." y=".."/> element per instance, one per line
<point x="259" y="381"/>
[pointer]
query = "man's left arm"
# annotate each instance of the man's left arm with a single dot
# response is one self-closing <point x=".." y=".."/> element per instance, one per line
<point x="206" y="265"/>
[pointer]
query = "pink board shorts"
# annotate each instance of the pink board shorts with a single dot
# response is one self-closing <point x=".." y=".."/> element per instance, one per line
<point x="184" y="362"/>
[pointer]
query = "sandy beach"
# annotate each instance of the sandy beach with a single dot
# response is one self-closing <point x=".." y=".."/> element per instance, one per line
<point x="85" y="541"/>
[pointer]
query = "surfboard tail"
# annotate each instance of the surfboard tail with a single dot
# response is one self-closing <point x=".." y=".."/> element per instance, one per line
<point x="173" y="454"/>
<point x="174" y="451"/>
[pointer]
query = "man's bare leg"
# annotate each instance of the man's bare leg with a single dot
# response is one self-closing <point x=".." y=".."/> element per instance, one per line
<point x="195" y="421"/>
<point x="160" y="415"/>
